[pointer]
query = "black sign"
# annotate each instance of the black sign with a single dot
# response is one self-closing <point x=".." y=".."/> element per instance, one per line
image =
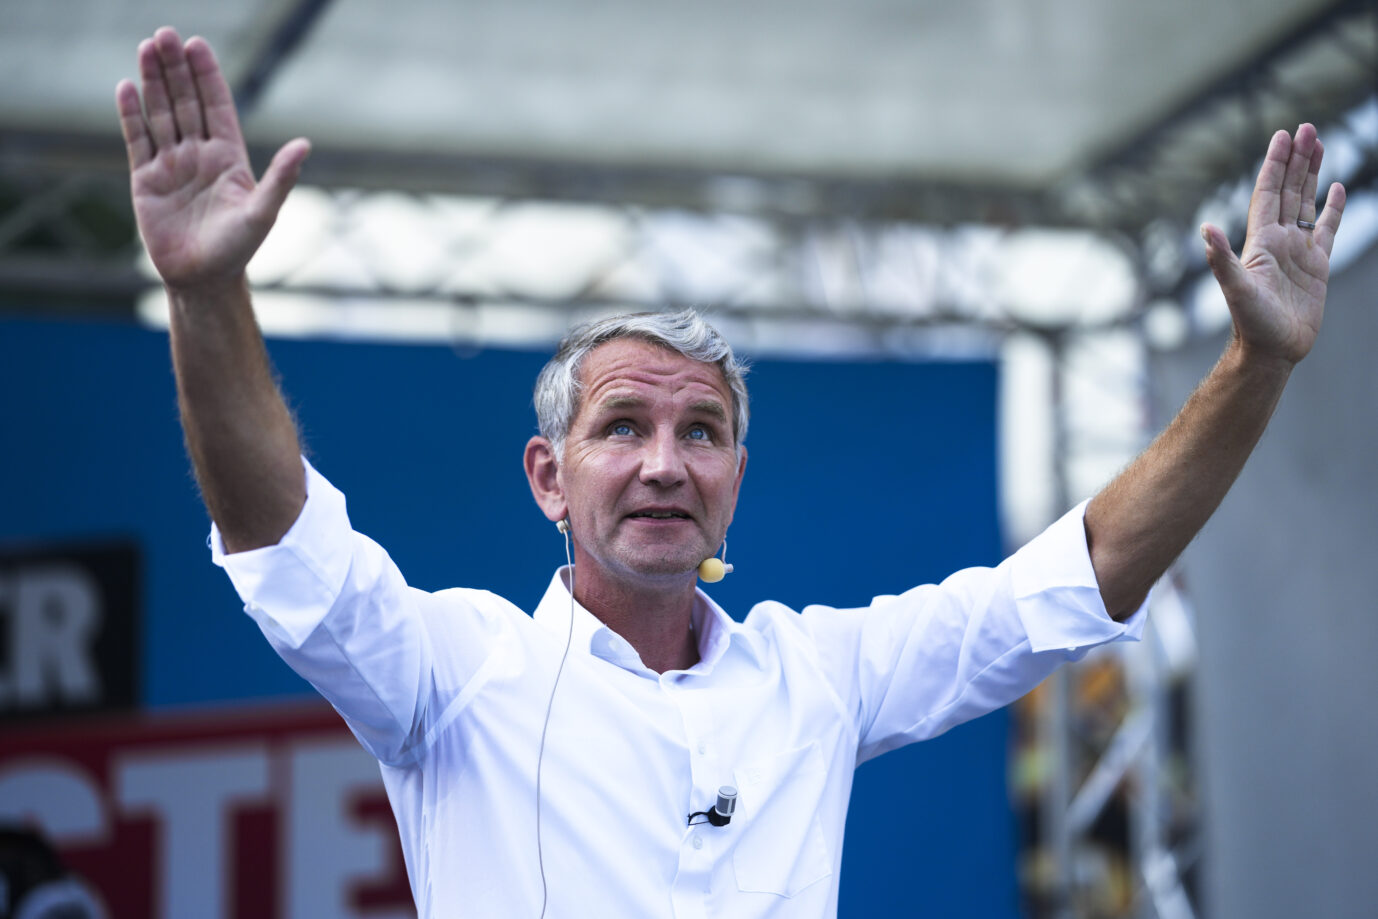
<point x="69" y="637"/>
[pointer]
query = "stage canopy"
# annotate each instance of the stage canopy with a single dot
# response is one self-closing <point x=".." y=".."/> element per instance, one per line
<point x="1063" y="111"/>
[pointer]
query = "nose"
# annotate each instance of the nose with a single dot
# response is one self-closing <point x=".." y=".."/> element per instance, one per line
<point x="662" y="462"/>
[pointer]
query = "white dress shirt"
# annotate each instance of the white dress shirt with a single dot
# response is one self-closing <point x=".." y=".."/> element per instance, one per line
<point x="449" y="691"/>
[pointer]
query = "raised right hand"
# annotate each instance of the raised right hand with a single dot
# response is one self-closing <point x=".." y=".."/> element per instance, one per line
<point x="200" y="212"/>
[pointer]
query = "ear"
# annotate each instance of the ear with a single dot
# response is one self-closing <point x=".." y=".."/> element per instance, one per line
<point x="543" y="475"/>
<point x="737" y="485"/>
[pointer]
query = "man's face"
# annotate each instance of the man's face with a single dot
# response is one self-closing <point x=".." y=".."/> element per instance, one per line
<point x="650" y="471"/>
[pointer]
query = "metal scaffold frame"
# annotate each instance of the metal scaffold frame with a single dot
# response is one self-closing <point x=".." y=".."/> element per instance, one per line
<point x="1113" y="771"/>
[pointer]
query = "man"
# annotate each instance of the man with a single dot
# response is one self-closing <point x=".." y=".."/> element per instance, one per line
<point x="565" y="763"/>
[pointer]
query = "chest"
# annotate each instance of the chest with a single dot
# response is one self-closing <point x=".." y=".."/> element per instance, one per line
<point x="626" y="760"/>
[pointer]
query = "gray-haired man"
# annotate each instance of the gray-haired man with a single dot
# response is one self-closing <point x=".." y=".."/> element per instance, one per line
<point x="518" y="796"/>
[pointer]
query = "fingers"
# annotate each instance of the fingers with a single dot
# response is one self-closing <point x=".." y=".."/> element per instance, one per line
<point x="279" y="178"/>
<point x="217" y="104"/>
<point x="1266" y="201"/>
<point x="137" y="144"/>
<point x="1308" y="188"/>
<point x="1329" y="221"/>
<point x="1298" y="168"/>
<point x="162" y="126"/>
<point x="184" y="95"/>
<point x="1224" y="264"/>
<point x="1286" y="188"/>
<point x="186" y="106"/>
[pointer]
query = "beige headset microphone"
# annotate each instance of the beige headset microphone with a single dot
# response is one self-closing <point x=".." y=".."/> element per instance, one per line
<point x="713" y="570"/>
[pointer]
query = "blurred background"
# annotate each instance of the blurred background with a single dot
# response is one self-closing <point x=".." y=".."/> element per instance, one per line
<point x="959" y="242"/>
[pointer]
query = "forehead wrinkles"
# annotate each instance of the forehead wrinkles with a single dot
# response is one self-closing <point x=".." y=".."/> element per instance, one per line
<point x="644" y="372"/>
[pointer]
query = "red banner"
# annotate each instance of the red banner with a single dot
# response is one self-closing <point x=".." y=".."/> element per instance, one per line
<point x="258" y="813"/>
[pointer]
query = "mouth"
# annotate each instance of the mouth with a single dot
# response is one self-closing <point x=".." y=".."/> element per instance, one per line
<point x="658" y="515"/>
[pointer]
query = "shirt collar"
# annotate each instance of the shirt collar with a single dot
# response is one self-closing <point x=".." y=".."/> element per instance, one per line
<point x="554" y="610"/>
<point x="714" y="630"/>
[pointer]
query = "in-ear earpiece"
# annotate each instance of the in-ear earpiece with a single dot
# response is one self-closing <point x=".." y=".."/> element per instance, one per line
<point x="562" y="525"/>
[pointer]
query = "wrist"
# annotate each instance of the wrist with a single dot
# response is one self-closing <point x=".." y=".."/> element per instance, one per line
<point x="1250" y="360"/>
<point x="208" y="291"/>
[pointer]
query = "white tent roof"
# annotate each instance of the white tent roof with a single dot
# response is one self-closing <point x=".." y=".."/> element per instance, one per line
<point x="1005" y="95"/>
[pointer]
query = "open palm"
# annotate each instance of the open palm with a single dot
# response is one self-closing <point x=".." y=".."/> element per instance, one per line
<point x="200" y="212"/>
<point x="1276" y="287"/>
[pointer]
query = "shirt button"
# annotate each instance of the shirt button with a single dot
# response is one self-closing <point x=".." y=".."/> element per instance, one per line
<point x="703" y="748"/>
<point x="698" y="842"/>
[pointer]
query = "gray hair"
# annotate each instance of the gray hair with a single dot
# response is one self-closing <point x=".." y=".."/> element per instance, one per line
<point x="558" y="388"/>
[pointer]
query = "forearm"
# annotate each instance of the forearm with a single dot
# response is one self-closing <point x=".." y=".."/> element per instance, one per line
<point x="239" y="432"/>
<point x="1144" y="519"/>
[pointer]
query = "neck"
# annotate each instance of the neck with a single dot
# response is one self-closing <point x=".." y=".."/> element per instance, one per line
<point x="656" y="621"/>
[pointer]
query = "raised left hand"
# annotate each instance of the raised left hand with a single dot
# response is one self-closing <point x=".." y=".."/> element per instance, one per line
<point x="1275" y="288"/>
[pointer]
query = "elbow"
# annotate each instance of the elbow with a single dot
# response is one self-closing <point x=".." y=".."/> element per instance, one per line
<point x="1123" y="586"/>
<point x="1124" y="573"/>
<point x="1122" y="606"/>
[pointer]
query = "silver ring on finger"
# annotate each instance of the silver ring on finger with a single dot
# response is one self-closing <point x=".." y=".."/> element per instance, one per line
<point x="1306" y="224"/>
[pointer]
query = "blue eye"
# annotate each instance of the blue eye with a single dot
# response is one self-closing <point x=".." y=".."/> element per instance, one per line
<point x="621" y="429"/>
<point x="699" y="434"/>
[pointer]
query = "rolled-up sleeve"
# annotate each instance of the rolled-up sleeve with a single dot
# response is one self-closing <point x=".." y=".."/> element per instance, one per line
<point x="1056" y="593"/>
<point x="912" y="666"/>
<point x="335" y="607"/>
<point x="299" y="578"/>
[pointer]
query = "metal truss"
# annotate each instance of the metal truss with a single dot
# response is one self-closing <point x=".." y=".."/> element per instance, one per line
<point x="1113" y="789"/>
<point x="1197" y="163"/>
<point x="1316" y="72"/>
<point x="66" y="241"/>
<point x="65" y="227"/>
<point x="1103" y="771"/>
<point x="68" y="236"/>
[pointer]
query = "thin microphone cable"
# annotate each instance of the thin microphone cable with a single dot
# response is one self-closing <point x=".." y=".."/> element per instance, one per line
<point x="540" y="756"/>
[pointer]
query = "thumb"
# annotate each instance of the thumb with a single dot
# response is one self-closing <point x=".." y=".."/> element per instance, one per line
<point x="1225" y="265"/>
<point x="279" y="179"/>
